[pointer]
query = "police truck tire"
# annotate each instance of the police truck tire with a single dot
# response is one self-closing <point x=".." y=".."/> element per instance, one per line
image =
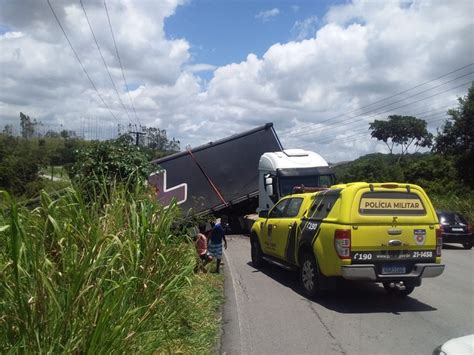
<point x="397" y="292"/>
<point x="256" y="253"/>
<point x="467" y="245"/>
<point x="309" y="276"/>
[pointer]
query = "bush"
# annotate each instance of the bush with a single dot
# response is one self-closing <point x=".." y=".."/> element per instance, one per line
<point x="85" y="278"/>
<point x="102" y="164"/>
<point x="450" y="202"/>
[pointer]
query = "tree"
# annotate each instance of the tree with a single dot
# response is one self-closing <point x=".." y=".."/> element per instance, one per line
<point x="52" y="134"/>
<point x="456" y="138"/>
<point x="27" y="126"/>
<point x="65" y="134"/>
<point x="8" y="130"/>
<point x="98" y="167"/>
<point x="19" y="165"/>
<point x="157" y="139"/>
<point x="403" y="131"/>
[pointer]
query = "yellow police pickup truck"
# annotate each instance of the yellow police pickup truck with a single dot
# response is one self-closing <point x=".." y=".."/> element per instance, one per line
<point x="380" y="232"/>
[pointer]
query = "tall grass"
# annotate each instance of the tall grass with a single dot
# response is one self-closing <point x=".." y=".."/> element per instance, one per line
<point x="79" y="277"/>
<point x="451" y="202"/>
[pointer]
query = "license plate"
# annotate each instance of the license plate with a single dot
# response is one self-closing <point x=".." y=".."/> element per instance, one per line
<point x="457" y="229"/>
<point x="392" y="270"/>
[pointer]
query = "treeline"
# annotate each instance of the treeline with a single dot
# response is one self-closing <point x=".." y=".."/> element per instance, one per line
<point x="24" y="157"/>
<point x="435" y="173"/>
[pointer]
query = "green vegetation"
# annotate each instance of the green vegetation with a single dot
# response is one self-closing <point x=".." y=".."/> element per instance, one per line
<point x="81" y="277"/>
<point x="402" y="131"/>
<point x="22" y="161"/>
<point x="456" y="140"/>
<point x="103" y="163"/>
<point x="95" y="265"/>
<point x="435" y="173"/>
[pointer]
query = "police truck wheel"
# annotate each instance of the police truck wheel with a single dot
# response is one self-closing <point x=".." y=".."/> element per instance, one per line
<point x="467" y="245"/>
<point x="309" y="276"/>
<point x="256" y="253"/>
<point x="397" y="292"/>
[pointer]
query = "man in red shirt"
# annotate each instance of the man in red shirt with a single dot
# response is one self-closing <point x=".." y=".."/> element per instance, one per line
<point x="201" y="246"/>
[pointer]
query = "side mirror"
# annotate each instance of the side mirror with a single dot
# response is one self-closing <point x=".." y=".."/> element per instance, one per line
<point x="269" y="185"/>
<point x="269" y="189"/>
<point x="263" y="214"/>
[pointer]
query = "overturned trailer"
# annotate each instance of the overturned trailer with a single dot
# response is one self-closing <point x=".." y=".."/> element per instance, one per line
<point x="219" y="177"/>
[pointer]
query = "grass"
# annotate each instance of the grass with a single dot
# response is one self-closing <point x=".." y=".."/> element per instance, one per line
<point x="463" y="204"/>
<point x="79" y="277"/>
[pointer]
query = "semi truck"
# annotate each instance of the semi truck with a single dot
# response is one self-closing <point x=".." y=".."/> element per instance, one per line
<point x="237" y="176"/>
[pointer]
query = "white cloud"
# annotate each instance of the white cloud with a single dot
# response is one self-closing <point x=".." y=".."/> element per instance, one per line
<point x="196" y="68"/>
<point x="11" y="35"/>
<point x="267" y="15"/>
<point x="306" y="28"/>
<point x="362" y="52"/>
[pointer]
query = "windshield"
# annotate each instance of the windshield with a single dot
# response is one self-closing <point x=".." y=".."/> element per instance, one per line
<point x="287" y="183"/>
<point x="447" y="218"/>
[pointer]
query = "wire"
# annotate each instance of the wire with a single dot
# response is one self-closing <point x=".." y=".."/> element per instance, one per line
<point x="80" y="63"/>
<point x="103" y="60"/>
<point x="364" y="131"/>
<point x="120" y="62"/>
<point x="371" y="111"/>
<point x="363" y="134"/>
<point x="338" y="124"/>
<point x="300" y="130"/>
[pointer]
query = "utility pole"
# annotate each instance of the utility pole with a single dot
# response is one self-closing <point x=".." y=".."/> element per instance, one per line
<point x="137" y="136"/>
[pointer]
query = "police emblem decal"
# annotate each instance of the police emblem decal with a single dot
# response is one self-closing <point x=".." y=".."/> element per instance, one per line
<point x="420" y="236"/>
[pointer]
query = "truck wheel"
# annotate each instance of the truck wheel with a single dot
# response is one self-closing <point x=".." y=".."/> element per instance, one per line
<point x="467" y="245"/>
<point x="397" y="292"/>
<point x="309" y="276"/>
<point x="256" y="253"/>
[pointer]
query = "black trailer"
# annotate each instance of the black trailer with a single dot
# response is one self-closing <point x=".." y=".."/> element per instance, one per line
<point x="219" y="176"/>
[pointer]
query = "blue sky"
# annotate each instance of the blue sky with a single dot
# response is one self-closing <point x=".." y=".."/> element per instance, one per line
<point x="223" y="32"/>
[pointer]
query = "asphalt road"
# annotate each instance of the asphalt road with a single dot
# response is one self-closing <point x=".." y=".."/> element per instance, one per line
<point x="266" y="313"/>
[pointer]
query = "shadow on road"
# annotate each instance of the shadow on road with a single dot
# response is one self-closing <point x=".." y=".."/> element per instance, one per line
<point x="453" y="247"/>
<point x="350" y="297"/>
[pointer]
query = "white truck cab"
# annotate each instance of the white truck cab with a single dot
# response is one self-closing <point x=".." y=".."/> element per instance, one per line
<point x="279" y="172"/>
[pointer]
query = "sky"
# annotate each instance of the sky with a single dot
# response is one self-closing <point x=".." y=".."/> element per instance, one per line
<point x="204" y="70"/>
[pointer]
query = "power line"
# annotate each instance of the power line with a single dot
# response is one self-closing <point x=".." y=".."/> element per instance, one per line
<point x="80" y="63"/>
<point x="371" y="111"/>
<point x="358" y="135"/>
<point x="342" y="122"/>
<point x="103" y="60"/>
<point x="120" y="62"/>
<point x="397" y="94"/>
<point x="364" y="130"/>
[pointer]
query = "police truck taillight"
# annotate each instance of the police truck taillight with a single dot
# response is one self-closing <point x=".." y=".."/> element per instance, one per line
<point x="439" y="241"/>
<point x="342" y="243"/>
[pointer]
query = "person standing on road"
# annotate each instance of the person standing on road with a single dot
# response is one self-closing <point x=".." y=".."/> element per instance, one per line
<point x="215" y="241"/>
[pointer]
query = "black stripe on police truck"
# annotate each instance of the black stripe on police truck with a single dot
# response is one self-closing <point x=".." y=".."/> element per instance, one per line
<point x="290" y="249"/>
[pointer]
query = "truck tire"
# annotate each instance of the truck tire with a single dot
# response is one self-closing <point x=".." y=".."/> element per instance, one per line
<point x="396" y="292"/>
<point x="467" y="245"/>
<point x="256" y="253"/>
<point x="309" y="276"/>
